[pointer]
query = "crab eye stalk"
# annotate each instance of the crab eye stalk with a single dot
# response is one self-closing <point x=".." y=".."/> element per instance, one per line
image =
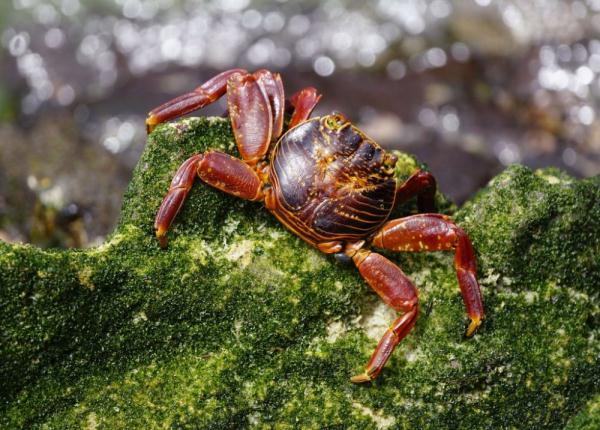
<point x="389" y="163"/>
<point x="390" y="160"/>
<point x="336" y="121"/>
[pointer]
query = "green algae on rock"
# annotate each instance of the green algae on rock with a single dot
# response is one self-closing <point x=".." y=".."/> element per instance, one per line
<point x="240" y="324"/>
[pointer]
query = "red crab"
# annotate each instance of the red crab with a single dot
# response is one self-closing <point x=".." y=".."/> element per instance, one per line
<point x="327" y="182"/>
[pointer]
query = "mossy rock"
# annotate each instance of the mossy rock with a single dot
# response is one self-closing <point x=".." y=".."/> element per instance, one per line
<point x="240" y="324"/>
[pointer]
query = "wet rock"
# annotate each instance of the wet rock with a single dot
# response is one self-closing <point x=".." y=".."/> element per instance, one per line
<point x="239" y="323"/>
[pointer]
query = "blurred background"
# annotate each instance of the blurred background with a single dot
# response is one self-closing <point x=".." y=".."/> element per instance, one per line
<point x="468" y="86"/>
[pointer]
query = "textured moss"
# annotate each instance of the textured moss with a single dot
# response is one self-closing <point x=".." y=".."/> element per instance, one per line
<point x="238" y="323"/>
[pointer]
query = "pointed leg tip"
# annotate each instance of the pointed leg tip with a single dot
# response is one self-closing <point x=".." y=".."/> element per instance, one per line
<point x="151" y="123"/>
<point x="163" y="242"/>
<point x="473" y="326"/>
<point x="162" y="238"/>
<point x="360" y="379"/>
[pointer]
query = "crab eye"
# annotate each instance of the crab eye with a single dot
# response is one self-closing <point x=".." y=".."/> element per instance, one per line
<point x="332" y="123"/>
<point x="389" y="160"/>
<point x="335" y="121"/>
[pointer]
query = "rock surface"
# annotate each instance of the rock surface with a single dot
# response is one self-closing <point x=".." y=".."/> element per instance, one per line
<point x="239" y="323"/>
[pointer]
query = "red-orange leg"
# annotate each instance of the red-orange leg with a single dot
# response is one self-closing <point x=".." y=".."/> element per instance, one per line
<point x="396" y="290"/>
<point x="215" y="168"/>
<point x="304" y="101"/>
<point x="434" y="232"/>
<point x="423" y="185"/>
<point x="205" y="94"/>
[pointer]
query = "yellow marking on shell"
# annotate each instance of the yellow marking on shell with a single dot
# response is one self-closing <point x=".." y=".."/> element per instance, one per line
<point x="351" y="216"/>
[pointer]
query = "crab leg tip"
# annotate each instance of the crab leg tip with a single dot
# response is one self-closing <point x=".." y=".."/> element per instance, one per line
<point x="151" y="123"/>
<point x="473" y="326"/>
<point x="362" y="378"/>
<point x="161" y="235"/>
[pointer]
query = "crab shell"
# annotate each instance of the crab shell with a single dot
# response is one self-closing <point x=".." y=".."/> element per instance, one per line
<point x="330" y="181"/>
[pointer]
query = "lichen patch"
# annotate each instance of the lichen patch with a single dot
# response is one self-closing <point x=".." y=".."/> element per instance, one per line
<point x="412" y="355"/>
<point x="140" y="317"/>
<point x="335" y="329"/>
<point x="551" y="178"/>
<point x="241" y="252"/>
<point x="381" y="421"/>
<point x="114" y="241"/>
<point x="490" y="279"/>
<point x="85" y="277"/>
<point x="530" y="296"/>
<point x="92" y="421"/>
<point x="376" y="318"/>
<point x="231" y="224"/>
<point x="314" y="261"/>
<point x="199" y="251"/>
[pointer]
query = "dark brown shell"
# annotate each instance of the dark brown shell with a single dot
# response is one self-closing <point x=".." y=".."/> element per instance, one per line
<point x="331" y="182"/>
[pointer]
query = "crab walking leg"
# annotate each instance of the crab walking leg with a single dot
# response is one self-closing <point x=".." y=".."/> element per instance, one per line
<point x="304" y="101"/>
<point x="205" y="94"/>
<point x="423" y="185"/>
<point x="434" y="232"/>
<point x="273" y="87"/>
<point x="396" y="290"/>
<point x="215" y="168"/>
<point x="251" y="117"/>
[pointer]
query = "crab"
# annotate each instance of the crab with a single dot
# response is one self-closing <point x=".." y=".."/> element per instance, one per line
<point x="327" y="182"/>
